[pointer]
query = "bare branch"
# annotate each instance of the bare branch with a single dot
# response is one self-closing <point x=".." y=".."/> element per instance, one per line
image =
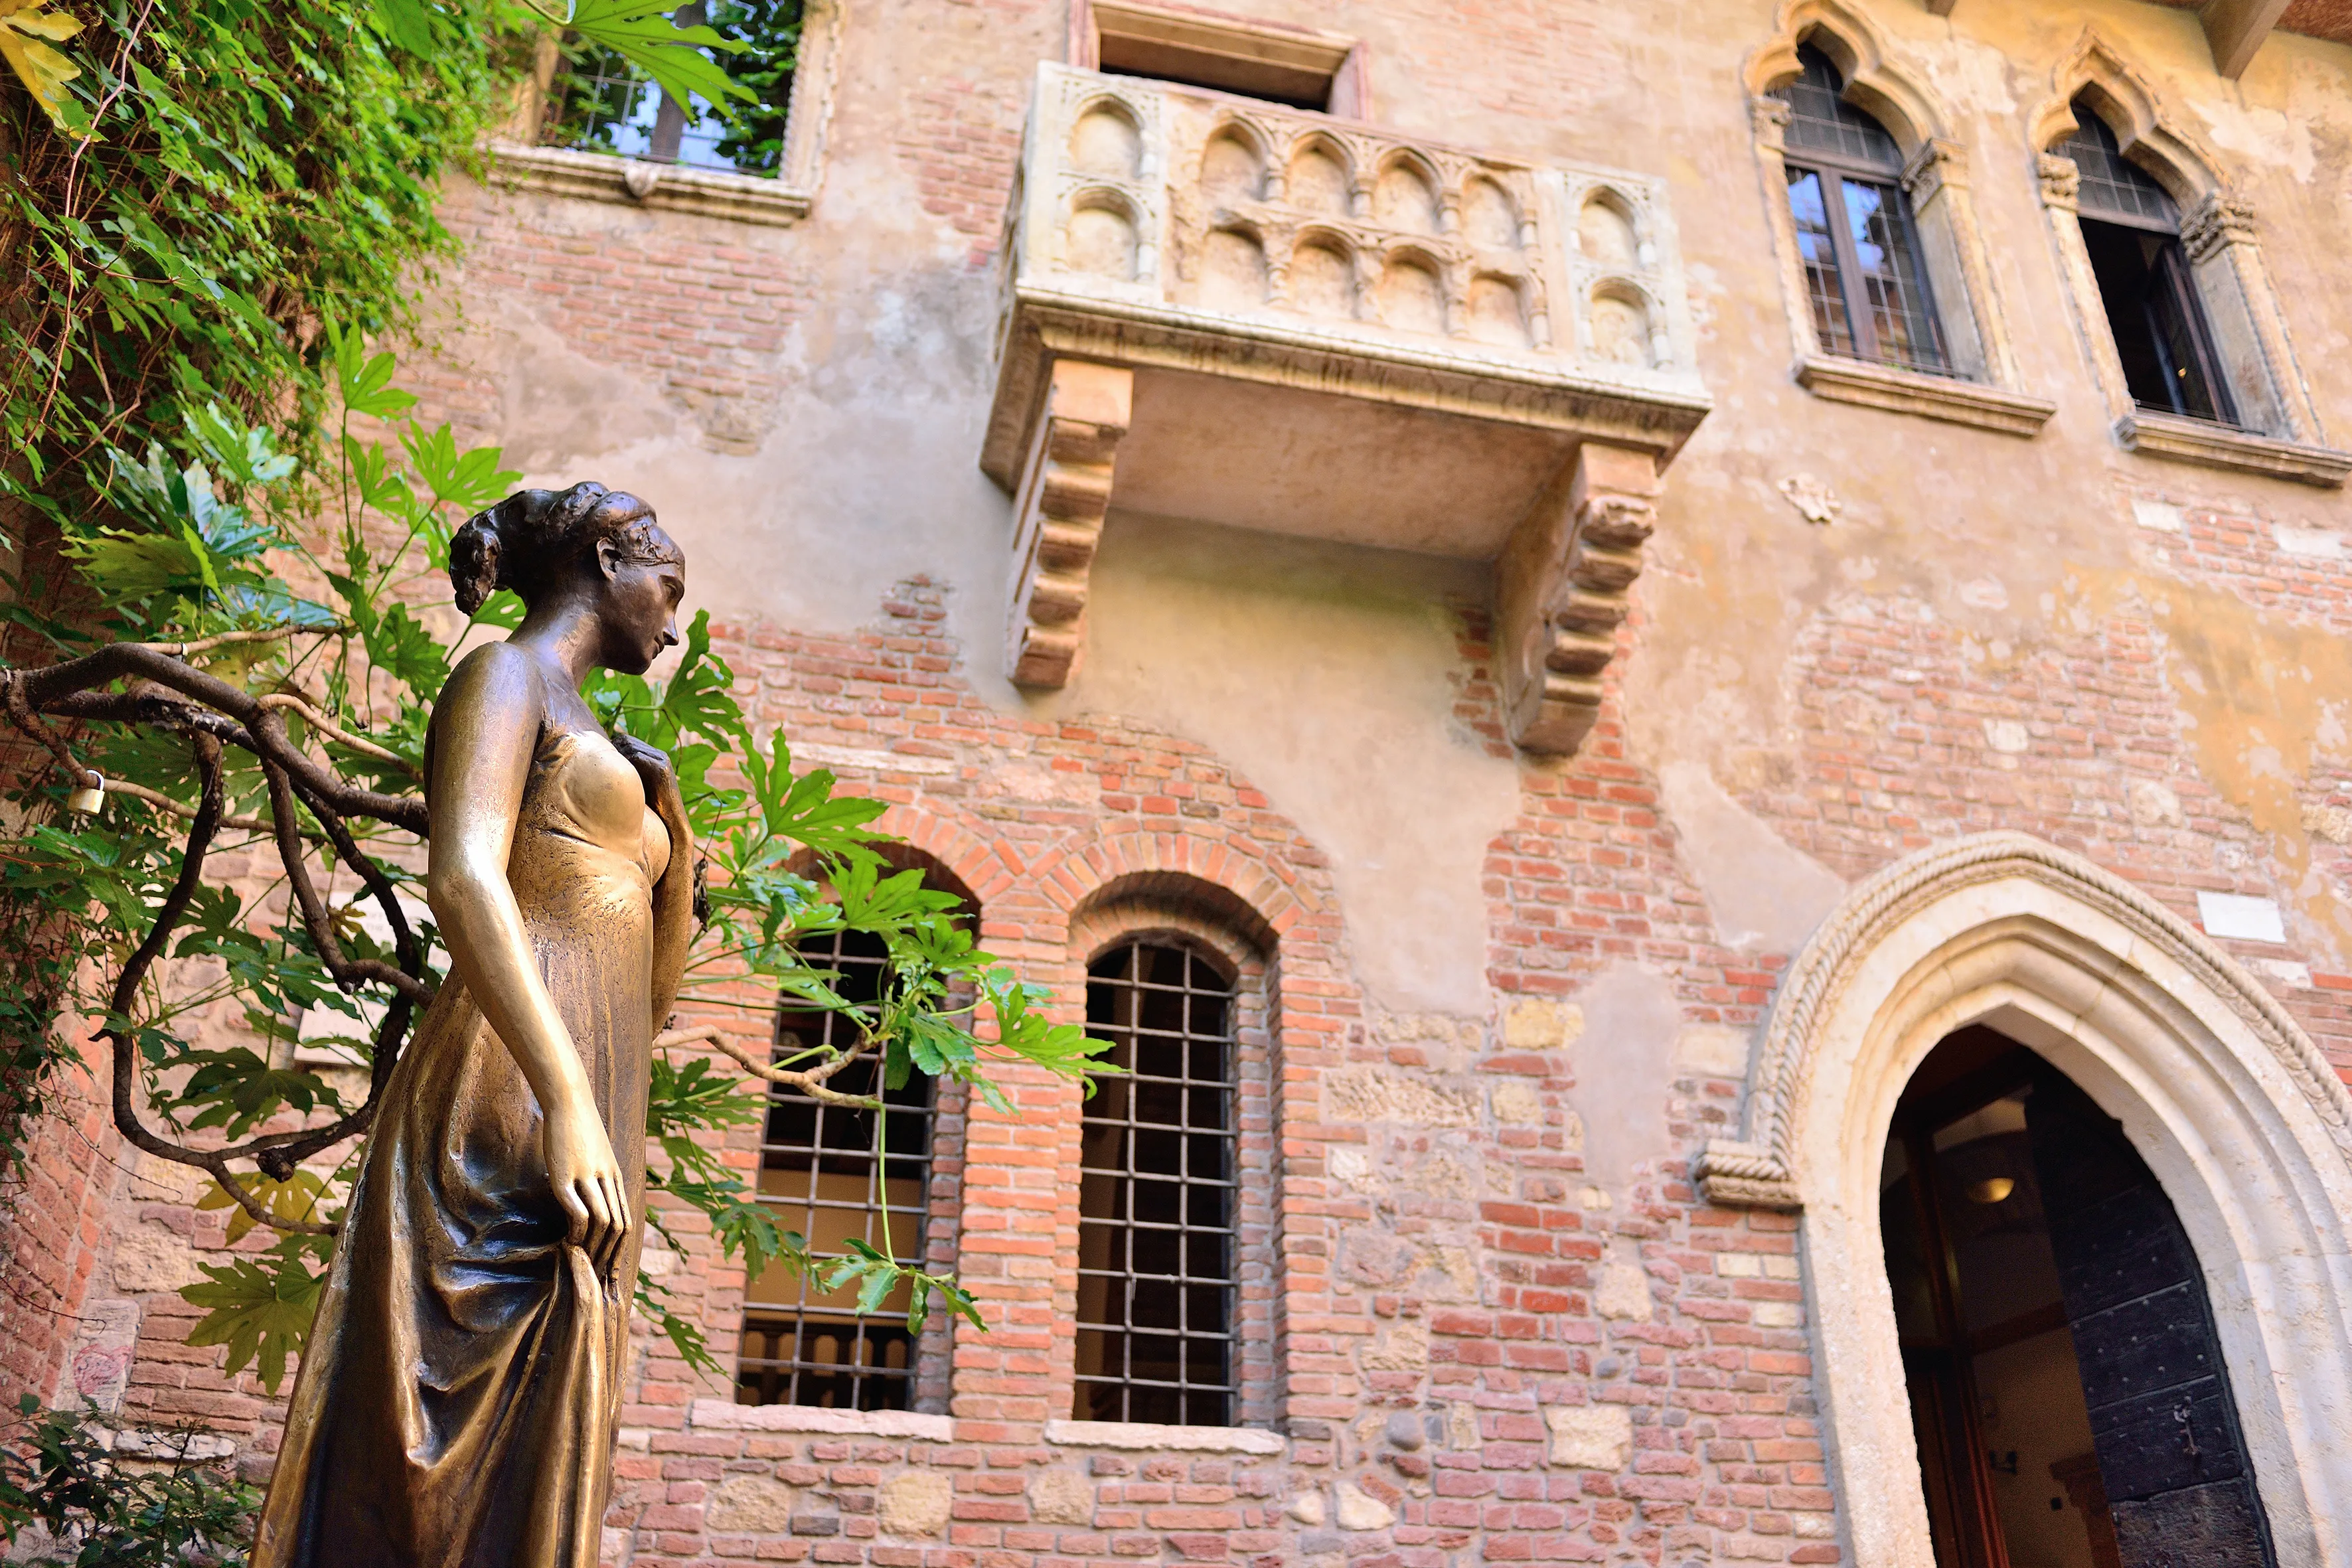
<point x="348" y="972"/>
<point x="808" y="1081"/>
<point x="325" y="726"/>
<point x="225" y="639"/>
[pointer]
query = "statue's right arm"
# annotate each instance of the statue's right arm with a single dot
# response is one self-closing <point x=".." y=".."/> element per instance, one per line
<point x="486" y="730"/>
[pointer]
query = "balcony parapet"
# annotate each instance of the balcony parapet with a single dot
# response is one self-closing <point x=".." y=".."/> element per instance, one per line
<point x="1302" y="325"/>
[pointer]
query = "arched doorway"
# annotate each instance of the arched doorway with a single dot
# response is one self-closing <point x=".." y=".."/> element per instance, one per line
<point x="2208" y="1082"/>
<point x="2068" y="1391"/>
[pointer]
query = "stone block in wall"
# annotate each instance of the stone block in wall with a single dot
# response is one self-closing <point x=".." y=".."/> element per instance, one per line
<point x="1590" y="1436"/>
<point x="921" y="1503"/>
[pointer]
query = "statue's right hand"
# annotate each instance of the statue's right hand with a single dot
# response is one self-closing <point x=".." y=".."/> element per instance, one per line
<point x="588" y="1181"/>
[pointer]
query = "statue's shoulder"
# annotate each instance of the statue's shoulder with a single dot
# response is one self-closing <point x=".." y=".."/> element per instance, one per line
<point x="496" y="675"/>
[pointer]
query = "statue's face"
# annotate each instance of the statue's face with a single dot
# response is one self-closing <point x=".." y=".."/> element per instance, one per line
<point x="640" y="604"/>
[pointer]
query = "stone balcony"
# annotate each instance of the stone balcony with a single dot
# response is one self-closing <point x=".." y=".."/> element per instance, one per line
<point x="1224" y="310"/>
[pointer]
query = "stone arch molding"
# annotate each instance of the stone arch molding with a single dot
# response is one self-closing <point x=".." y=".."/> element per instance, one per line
<point x="1893" y="95"/>
<point x="2226" y="1097"/>
<point x="2144" y="128"/>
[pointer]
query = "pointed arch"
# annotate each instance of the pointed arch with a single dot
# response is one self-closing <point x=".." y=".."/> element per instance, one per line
<point x="2221" y="1093"/>
<point x="2152" y="138"/>
<point x="1893" y="94"/>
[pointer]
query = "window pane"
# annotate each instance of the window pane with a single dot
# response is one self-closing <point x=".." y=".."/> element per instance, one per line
<point x="1818" y="252"/>
<point x="1821" y="120"/>
<point x="1880" y="222"/>
<point x="2113" y="186"/>
<point x="821" y="1175"/>
<point x="1156" y="1196"/>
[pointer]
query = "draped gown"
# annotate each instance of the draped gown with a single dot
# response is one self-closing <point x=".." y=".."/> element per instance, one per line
<point x="459" y="1401"/>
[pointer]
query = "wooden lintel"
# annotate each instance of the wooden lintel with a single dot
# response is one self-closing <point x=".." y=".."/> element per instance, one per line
<point x="2234" y="29"/>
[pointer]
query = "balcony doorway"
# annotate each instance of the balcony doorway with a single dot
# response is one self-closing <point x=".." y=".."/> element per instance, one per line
<point x="2066" y="1384"/>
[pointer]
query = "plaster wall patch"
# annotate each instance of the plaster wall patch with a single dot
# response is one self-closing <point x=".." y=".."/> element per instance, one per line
<point x="1813" y="498"/>
<point x="2161" y="516"/>
<point x="2313" y="543"/>
<point x="2237" y="918"/>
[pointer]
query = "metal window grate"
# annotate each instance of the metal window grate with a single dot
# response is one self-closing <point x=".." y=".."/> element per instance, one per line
<point x="2112" y="185"/>
<point x="1157" y="1196"/>
<point x="1821" y="121"/>
<point x="819" y="1173"/>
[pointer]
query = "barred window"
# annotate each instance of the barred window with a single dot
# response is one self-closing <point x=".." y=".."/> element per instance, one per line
<point x="1158" y="1198"/>
<point x="601" y="103"/>
<point x="1864" y="274"/>
<point x="2131" y="230"/>
<point x="820" y="1176"/>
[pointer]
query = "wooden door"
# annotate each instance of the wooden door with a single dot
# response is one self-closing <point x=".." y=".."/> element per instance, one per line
<point x="2173" y="1462"/>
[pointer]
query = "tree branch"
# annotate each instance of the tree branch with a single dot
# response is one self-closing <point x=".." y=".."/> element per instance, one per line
<point x="808" y="1081"/>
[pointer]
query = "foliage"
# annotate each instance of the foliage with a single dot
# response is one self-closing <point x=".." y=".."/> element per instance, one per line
<point x="201" y="554"/>
<point x="606" y="88"/>
<point x="233" y="610"/>
<point x="168" y="1512"/>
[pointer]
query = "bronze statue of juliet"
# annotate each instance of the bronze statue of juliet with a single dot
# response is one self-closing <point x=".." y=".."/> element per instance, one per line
<point x="458" y="1400"/>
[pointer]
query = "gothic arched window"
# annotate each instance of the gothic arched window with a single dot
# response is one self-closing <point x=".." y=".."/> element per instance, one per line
<point x="1864" y="276"/>
<point x="2131" y="229"/>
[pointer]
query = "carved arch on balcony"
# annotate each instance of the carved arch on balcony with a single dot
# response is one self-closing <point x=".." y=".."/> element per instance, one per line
<point x="1429" y="183"/>
<point x="1651" y="349"/>
<point x="1935" y="175"/>
<point x="1466" y="200"/>
<point x="1251" y="138"/>
<point x="1115" y="111"/>
<point x="2220" y="236"/>
<point x="1320" y="144"/>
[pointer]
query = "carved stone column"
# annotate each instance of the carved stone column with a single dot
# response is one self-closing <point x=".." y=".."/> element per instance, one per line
<point x="1561" y="593"/>
<point x="1059" y="500"/>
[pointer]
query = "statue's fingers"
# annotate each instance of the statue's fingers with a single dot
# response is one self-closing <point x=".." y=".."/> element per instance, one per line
<point x="574" y="1210"/>
<point x="600" y="1215"/>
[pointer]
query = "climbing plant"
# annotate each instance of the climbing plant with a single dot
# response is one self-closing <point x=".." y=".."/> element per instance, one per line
<point x="226" y="620"/>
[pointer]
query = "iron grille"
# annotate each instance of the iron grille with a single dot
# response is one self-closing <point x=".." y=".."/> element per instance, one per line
<point x="1157" y="1196"/>
<point x="2113" y="186"/>
<point x="819" y="1173"/>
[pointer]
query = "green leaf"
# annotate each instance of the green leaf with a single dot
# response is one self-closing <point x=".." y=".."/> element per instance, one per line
<point x="642" y="33"/>
<point x="260" y="1309"/>
<point x="409" y="24"/>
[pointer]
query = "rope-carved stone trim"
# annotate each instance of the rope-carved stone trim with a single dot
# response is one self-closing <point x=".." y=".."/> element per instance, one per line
<point x="1759" y="1170"/>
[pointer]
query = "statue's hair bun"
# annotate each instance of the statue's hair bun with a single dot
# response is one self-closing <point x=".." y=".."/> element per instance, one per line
<point x="515" y="542"/>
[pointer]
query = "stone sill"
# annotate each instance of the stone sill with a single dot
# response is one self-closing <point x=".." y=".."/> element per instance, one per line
<point x="1942" y="397"/>
<point x="662" y="187"/>
<point x="1144" y="1437"/>
<point x="2219" y="447"/>
<point x="724" y="1415"/>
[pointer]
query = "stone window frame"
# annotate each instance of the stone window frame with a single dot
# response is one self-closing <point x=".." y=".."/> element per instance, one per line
<point x="2279" y="433"/>
<point x="1240" y="37"/>
<point x="1179" y="910"/>
<point x="1983" y="385"/>
<point x="518" y="165"/>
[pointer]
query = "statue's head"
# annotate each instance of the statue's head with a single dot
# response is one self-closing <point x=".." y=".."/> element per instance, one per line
<point x="596" y="547"/>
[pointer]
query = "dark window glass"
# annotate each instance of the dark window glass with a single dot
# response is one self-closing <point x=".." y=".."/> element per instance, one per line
<point x="601" y="103"/>
<point x="2113" y="186"/>
<point x="819" y="1173"/>
<point x="1158" y="1197"/>
<point x="2131" y="230"/>
<point x="1864" y="276"/>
